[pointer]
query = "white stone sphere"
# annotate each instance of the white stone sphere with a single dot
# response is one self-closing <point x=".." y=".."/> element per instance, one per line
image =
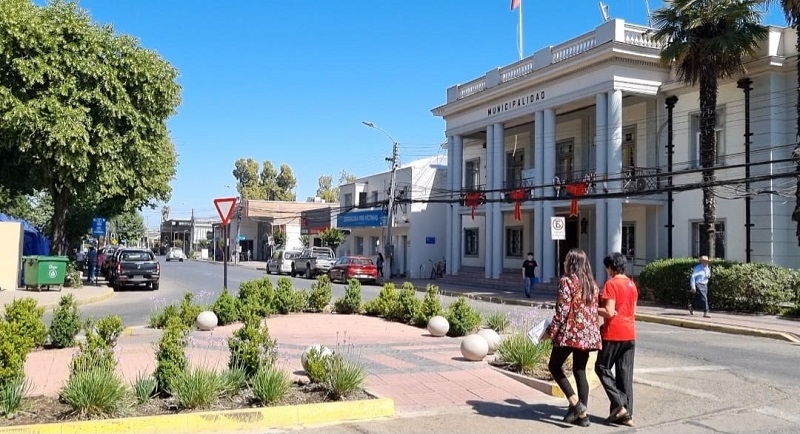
<point x="206" y="320"/>
<point x="474" y="348"/>
<point x="492" y="338"/>
<point x="438" y="326"/>
<point x="322" y="349"/>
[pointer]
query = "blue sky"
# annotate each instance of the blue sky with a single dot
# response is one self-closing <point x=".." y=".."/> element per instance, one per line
<point x="291" y="81"/>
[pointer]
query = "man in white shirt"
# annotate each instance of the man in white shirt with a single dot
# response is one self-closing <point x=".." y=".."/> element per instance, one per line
<point x="699" y="286"/>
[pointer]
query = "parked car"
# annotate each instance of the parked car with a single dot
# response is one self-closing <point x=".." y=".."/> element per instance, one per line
<point x="137" y="267"/>
<point x="175" y="254"/>
<point x="281" y="261"/>
<point x="104" y="257"/>
<point x="354" y="267"/>
<point x="313" y="261"/>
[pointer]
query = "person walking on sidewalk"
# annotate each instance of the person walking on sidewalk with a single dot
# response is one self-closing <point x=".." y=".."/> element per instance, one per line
<point x="379" y="264"/>
<point x="618" y="308"/>
<point x="575" y="331"/>
<point x="92" y="260"/>
<point x="529" y="274"/>
<point x="699" y="286"/>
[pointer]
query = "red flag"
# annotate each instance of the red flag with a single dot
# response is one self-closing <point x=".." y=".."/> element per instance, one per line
<point x="515" y="4"/>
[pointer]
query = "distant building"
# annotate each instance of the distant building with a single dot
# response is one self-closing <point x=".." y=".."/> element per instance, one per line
<point x="314" y="221"/>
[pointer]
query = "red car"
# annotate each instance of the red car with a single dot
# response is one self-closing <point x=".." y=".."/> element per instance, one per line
<point x="354" y="267"/>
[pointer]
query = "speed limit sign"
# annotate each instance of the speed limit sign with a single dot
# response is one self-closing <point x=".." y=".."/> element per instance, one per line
<point x="558" y="228"/>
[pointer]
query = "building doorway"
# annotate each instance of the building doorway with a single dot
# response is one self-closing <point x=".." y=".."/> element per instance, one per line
<point x="564" y="246"/>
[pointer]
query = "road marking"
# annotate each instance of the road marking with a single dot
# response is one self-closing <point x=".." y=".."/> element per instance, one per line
<point x="680" y="369"/>
<point x="780" y="414"/>
<point x="673" y="388"/>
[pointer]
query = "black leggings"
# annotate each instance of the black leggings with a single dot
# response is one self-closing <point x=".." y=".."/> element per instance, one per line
<point x="579" y="360"/>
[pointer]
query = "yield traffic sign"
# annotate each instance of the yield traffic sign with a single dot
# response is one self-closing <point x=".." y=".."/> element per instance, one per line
<point x="225" y="206"/>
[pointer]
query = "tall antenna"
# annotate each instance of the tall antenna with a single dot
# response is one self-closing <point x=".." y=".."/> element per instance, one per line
<point x="649" y="14"/>
<point x="604" y="11"/>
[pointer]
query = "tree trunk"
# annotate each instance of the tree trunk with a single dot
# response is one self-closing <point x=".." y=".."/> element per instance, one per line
<point x="61" y="198"/>
<point x="796" y="152"/>
<point x="708" y="158"/>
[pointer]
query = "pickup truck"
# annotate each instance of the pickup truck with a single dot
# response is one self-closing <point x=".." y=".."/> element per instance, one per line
<point x="313" y="261"/>
<point x="136" y="267"/>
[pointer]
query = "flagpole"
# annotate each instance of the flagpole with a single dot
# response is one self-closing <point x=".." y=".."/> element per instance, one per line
<point x="521" y="50"/>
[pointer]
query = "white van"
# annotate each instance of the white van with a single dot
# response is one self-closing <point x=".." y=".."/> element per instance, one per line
<point x="281" y="261"/>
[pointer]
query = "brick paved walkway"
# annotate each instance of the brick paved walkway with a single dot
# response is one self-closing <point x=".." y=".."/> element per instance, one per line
<point x="420" y="372"/>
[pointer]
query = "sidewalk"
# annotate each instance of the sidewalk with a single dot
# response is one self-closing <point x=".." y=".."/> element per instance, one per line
<point x="86" y="294"/>
<point x="419" y="372"/>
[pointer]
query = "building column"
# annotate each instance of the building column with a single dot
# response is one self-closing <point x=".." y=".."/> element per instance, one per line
<point x="614" y="170"/>
<point x="538" y="218"/>
<point x="458" y="182"/>
<point x="549" y="259"/>
<point x="499" y="150"/>
<point x="601" y="156"/>
<point x="488" y="215"/>
<point x="450" y="222"/>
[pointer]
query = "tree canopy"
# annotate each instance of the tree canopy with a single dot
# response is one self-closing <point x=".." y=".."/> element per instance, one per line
<point x="327" y="192"/>
<point x="83" y="113"/>
<point x="128" y="226"/>
<point x="268" y="184"/>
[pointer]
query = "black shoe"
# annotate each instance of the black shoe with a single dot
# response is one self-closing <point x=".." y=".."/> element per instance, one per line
<point x="584" y="422"/>
<point x="691" y="309"/>
<point x="575" y="413"/>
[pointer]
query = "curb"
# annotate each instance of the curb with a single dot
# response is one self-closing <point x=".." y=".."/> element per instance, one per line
<point x="720" y="328"/>
<point x="550" y="387"/>
<point x="489" y="298"/>
<point x="107" y="294"/>
<point x="225" y="421"/>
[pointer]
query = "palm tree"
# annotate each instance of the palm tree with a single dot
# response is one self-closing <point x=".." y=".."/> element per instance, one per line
<point x="791" y="10"/>
<point x="708" y="40"/>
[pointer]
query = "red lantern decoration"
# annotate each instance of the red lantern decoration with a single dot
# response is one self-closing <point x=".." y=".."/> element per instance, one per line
<point x="576" y="190"/>
<point x="517" y="196"/>
<point x="472" y="200"/>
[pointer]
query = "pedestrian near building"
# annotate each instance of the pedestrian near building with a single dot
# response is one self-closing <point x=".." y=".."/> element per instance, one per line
<point x="92" y="263"/>
<point x="618" y="308"/>
<point x="529" y="274"/>
<point x="698" y="285"/>
<point x="379" y="265"/>
<point x="575" y="331"/>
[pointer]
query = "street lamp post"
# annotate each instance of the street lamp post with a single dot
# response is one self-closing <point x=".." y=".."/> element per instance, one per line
<point x="388" y="247"/>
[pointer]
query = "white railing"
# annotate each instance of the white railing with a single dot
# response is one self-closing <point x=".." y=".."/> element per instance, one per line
<point x="471" y="88"/>
<point x="574" y="47"/>
<point x="640" y="36"/>
<point x="516" y="70"/>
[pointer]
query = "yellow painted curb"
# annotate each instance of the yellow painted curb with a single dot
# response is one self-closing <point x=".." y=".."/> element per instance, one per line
<point x="716" y="327"/>
<point x="109" y="293"/>
<point x="550" y="387"/>
<point x="223" y="421"/>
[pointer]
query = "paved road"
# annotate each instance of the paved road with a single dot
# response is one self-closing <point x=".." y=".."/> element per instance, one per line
<point x="687" y="380"/>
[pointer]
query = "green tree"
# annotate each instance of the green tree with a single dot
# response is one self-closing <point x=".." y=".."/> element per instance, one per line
<point x="36" y="208"/>
<point x="84" y="110"/>
<point x="708" y="40"/>
<point x="326" y="191"/>
<point x="129" y="226"/>
<point x="305" y="241"/>
<point x="332" y="237"/>
<point x="247" y="180"/>
<point x="346" y="178"/>
<point x="279" y="237"/>
<point x="286" y="184"/>
<point x="268" y="180"/>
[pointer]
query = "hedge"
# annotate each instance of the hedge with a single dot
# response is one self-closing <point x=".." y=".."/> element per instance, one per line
<point x="734" y="286"/>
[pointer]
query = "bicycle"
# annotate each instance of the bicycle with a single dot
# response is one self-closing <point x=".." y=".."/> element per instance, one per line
<point x="437" y="269"/>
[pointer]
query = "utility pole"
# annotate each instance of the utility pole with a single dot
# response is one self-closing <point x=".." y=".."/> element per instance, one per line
<point x="389" y="245"/>
<point x="191" y="236"/>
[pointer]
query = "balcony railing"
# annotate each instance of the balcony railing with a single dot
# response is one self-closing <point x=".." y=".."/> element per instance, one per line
<point x="639" y="179"/>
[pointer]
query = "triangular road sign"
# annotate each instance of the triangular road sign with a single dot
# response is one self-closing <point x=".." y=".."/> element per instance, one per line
<point x="225" y="207"/>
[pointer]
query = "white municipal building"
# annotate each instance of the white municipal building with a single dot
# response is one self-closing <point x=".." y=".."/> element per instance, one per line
<point x="597" y="108"/>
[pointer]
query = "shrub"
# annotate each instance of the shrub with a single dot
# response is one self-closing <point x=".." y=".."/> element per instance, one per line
<point x="406" y="306"/>
<point x="752" y="287"/>
<point x="226" y="308"/>
<point x="384" y="303"/>
<point x="93" y="393"/>
<point x="11" y="394"/>
<point x="321" y="294"/>
<point x="287" y="300"/>
<point x="344" y="376"/>
<point x="97" y="351"/>
<point x="14" y="348"/>
<point x="232" y="380"/>
<point x="26" y="313"/>
<point x="431" y="306"/>
<point x="144" y="388"/>
<point x="251" y="346"/>
<point x="159" y="317"/>
<point x="109" y="329"/>
<point x="196" y="388"/>
<point x="350" y="303"/>
<point x="498" y="321"/>
<point x="171" y="353"/>
<point x="72" y="278"/>
<point x="270" y="384"/>
<point x="316" y="365"/>
<point x="522" y="355"/>
<point x="463" y="318"/>
<point x="189" y="310"/>
<point x="257" y="295"/>
<point x="66" y="323"/>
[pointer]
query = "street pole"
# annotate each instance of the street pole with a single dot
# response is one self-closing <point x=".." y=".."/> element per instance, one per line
<point x="238" y="230"/>
<point x="225" y="235"/>
<point x="191" y="235"/>
<point x="389" y="245"/>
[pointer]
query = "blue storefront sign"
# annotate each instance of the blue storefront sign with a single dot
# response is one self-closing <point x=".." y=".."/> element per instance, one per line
<point x="361" y="219"/>
<point x="98" y="226"/>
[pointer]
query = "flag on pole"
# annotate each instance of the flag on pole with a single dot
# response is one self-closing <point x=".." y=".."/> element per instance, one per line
<point x="515" y="4"/>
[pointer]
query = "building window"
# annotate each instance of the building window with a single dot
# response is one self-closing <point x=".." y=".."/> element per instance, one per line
<point x="515" y="165"/>
<point x="359" y="241"/>
<point x="374" y="198"/>
<point x="362" y="199"/>
<point x="719" y="247"/>
<point x="694" y="147"/>
<point x="374" y="244"/>
<point x="471" y="242"/>
<point x="472" y="174"/>
<point x="629" y="240"/>
<point x="348" y="199"/>
<point x="565" y="159"/>
<point x="514" y="242"/>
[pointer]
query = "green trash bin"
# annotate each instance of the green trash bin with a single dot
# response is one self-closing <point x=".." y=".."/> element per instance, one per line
<point x="45" y="271"/>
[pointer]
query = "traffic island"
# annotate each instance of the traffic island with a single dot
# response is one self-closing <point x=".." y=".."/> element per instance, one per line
<point x="544" y="383"/>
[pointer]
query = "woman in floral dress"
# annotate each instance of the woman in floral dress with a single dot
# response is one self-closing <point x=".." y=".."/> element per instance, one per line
<point x="575" y="331"/>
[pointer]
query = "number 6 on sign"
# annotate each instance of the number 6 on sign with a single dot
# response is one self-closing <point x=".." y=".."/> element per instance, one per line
<point x="557" y="228"/>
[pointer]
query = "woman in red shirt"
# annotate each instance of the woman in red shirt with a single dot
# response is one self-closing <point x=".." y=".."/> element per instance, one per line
<point x="618" y="307"/>
<point x="575" y="331"/>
